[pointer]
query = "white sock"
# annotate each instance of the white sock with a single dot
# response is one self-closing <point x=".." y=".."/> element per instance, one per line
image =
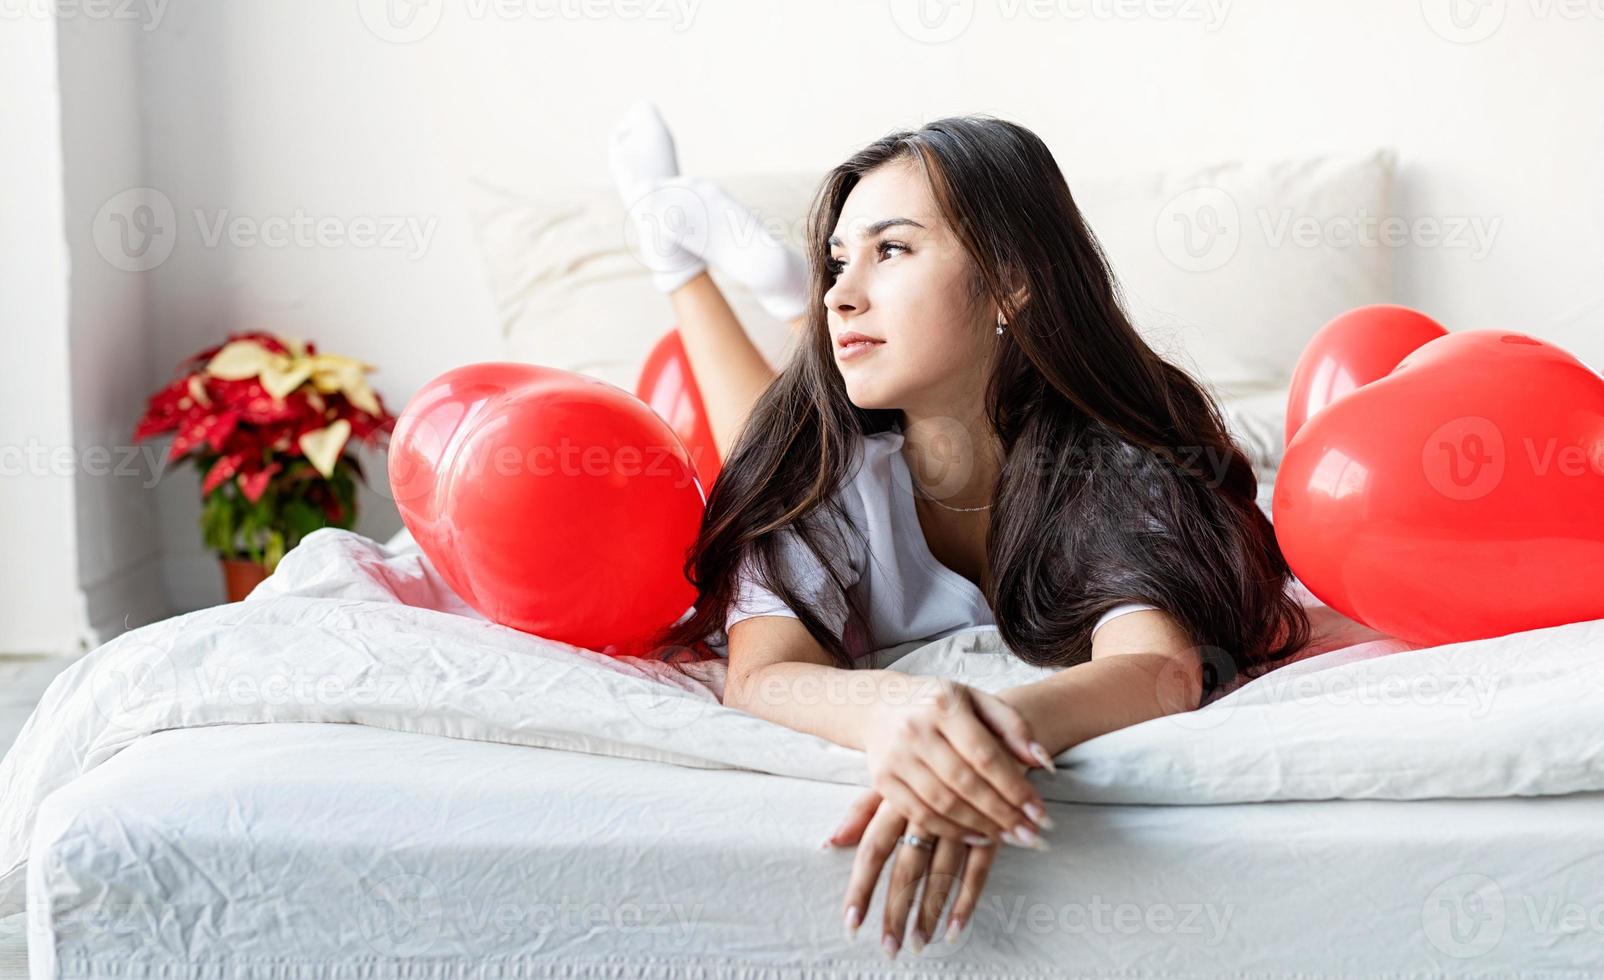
<point x="640" y="153"/>
<point x="704" y="220"/>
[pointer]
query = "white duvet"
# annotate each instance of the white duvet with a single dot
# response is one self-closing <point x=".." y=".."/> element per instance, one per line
<point x="347" y="631"/>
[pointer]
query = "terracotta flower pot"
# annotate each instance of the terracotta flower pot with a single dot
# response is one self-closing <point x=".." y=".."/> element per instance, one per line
<point x="240" y="576"/>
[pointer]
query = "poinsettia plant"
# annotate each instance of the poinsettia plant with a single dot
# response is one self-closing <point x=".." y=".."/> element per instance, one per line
<point x="269" y="422"/>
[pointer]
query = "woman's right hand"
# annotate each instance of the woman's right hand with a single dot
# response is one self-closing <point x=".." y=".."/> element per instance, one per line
<point x="953" y="759"/>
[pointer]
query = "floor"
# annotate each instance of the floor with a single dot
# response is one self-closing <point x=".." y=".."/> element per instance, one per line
<point x="13" y="950"/>
<point x="22" y="680"/>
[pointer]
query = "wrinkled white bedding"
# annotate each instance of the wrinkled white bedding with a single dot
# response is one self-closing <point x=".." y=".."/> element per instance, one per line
<point x="334" y="852"/>
<point x="347" y="631"/>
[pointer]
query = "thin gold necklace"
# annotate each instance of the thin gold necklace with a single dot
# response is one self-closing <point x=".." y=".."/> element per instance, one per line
<point x="961" y="510"/>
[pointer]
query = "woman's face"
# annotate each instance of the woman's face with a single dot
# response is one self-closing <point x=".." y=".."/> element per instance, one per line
<point x="901" y="277"/>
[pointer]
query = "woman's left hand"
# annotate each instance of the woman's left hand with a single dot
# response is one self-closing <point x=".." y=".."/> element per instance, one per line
<point x="879" y="828"/>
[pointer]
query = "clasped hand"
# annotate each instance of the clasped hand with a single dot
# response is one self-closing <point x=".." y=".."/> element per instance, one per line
<point x="947" y="764"/>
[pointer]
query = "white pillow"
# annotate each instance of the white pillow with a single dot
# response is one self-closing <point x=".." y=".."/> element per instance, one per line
<point x="570" y="292"/>
<point x="1235" y="309"/>
<point x="1230" y="269"/>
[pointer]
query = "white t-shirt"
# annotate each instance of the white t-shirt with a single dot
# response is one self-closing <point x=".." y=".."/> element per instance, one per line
<point x="906" y="593"/>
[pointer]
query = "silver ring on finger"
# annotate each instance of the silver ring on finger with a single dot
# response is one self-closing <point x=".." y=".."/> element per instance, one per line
<point x="922" y="843"/>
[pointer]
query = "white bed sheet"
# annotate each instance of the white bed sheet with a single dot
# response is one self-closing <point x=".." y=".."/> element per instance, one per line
<point x="350" y="632"/>
<point x="322" y="850"/>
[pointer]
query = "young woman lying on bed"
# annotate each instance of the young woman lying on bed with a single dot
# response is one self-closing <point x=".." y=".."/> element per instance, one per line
<point x="969" y="432"/>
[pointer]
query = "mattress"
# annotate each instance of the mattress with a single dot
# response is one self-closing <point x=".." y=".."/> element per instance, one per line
<point x="334" y="850"/>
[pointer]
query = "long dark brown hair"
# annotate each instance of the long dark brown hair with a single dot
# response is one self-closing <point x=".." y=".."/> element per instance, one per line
<point x="1120" y="481"/>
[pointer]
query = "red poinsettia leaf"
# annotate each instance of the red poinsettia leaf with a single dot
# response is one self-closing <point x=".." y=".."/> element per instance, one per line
<point x="253" y="485"/>
<point x="164" y="410"/>
<point x="191" y="433"/>
<point x="216" y="428"/>
<point x="221" y="470"/>
<point x="152" y="425"/>
<point x="251" y="400"/>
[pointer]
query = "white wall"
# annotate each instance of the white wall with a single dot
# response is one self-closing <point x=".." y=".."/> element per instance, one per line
<point x="256" y="110"/>
<point x="37" y="612"/>
<point x="119" y="544"/>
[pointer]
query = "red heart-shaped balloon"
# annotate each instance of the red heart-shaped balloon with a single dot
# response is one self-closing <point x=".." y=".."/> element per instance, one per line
<point x="668" y="386"/>
<point x="1459" y="497"/>
<point x="1351" y="351"/>
<point x="551" y="502"/>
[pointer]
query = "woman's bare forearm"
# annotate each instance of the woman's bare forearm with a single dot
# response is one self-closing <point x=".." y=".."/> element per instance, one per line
<point x="829" y="702"/>
<point x="729" y="369"/>
<point x="1100" y="696"/>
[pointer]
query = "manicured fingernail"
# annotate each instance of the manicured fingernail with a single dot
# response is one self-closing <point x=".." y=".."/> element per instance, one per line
<point x="954" y="927"/>
<point x="1042" y="757"/>
<point x="889" y="944"/>
<point x="1030" y="837"/>
<point x="1009" y="837"/>
<point x="827" y="843"/>
<point x="916" y="941"/>
<point x="852" y="922"/>
<point x="1036" y="813"/>
<point x="976" y="840"/>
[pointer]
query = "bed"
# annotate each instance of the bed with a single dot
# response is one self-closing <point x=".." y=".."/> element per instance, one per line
<point x="351" y="774"/>
<point x="324" y="850"/>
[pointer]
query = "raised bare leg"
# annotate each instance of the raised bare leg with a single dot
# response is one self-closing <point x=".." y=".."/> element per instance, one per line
<point x="729" y="369"/>
<point x="683" y="225"/>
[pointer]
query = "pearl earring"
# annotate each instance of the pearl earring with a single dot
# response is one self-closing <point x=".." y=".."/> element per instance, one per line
<point x="1000" y="322"/>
